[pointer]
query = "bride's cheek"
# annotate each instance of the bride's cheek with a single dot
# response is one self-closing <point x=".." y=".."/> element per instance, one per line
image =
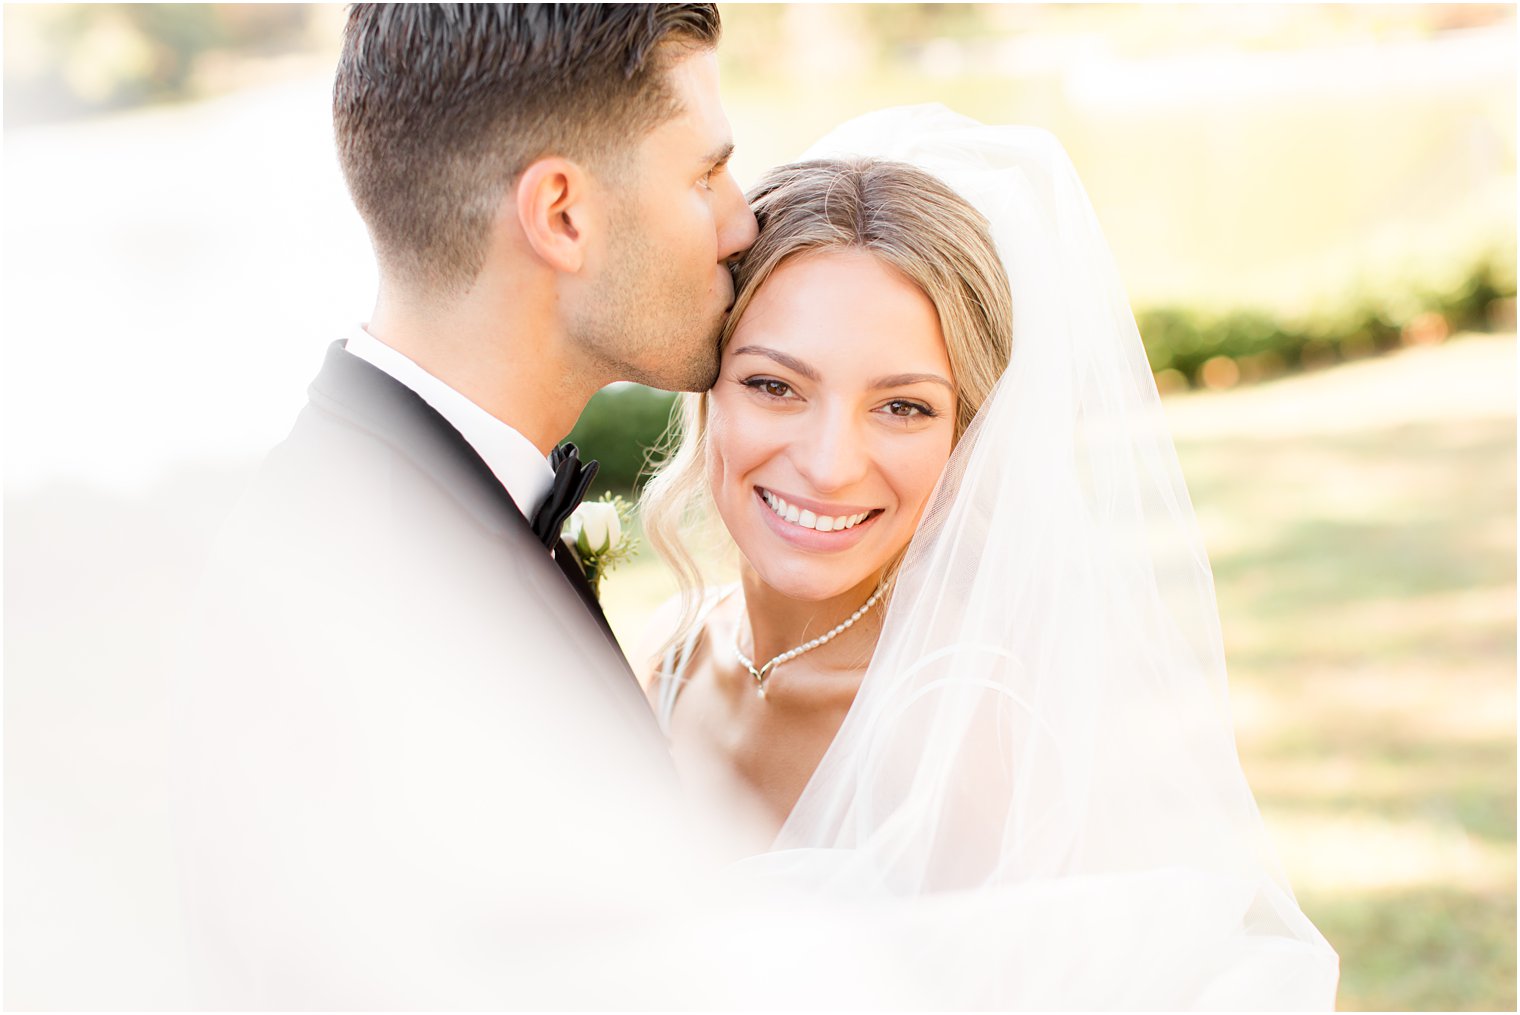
<point x="734" y="444"/>
<point x="921" y="472"/>
<point x="718" y="451"/>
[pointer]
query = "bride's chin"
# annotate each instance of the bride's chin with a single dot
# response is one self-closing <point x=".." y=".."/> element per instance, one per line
<point x="803" y="587"/>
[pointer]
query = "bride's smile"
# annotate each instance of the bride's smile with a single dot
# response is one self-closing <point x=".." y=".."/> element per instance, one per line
<point x="830" y="423"/>
<point x="805" y="522"/>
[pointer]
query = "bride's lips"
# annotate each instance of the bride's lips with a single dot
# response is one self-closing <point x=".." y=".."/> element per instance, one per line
<point x="811" y="539"/>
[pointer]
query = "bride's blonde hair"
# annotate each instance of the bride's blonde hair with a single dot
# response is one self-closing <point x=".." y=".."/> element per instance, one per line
<point x="910" y="221"/>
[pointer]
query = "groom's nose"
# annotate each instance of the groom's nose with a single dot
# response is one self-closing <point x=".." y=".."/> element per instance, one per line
<point x="737" y="228"/>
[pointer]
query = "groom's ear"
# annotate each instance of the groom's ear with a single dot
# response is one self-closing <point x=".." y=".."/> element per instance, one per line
<point x="553" y="204"/>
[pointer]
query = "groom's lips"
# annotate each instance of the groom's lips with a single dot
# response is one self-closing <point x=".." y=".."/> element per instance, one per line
<point x="812" y="539"/>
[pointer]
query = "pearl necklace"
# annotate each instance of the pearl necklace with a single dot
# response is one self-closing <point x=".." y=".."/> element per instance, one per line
<point x="764" y="672"/>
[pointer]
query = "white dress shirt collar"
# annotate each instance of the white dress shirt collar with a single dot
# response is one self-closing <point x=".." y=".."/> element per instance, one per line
<point x="522" y="471"/>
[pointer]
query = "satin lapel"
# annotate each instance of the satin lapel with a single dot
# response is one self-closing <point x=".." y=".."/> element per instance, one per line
<point x="370" y="398"/>
<point x="565" y="558"/>
<point x="376" y="402"/>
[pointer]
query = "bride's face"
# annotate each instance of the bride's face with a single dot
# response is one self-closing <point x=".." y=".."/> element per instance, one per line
<point x="831" y="421"/>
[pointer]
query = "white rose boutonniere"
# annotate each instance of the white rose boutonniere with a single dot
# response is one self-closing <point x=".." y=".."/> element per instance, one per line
<point x="598" y="532"/>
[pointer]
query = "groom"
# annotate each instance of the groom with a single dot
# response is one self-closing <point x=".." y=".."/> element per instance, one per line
<point x="413" y="760"/>
<point x="546" y="189"/>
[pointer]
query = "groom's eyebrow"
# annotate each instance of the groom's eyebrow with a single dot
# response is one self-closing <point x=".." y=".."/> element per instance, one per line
<point x="719" y="155"/>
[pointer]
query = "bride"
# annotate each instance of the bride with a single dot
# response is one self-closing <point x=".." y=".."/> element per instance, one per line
<point x="971" y="674"/>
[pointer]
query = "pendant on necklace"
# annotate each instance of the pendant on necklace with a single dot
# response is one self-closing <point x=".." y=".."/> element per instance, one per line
<point x="824" y="639"/>
<point x="760" y="675"/>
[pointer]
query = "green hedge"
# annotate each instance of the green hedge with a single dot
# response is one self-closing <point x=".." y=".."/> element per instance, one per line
<point x="1179" y="341"/>
<point x="618" y="428"/>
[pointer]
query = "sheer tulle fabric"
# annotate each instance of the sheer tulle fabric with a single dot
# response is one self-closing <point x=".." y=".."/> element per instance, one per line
<point x="1038" y="784"/>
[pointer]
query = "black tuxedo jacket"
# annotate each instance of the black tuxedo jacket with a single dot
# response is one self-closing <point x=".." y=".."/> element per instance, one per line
<point x="366" y="402"/>
<point x="400" y="723"/>
<point x="360" y="424"/>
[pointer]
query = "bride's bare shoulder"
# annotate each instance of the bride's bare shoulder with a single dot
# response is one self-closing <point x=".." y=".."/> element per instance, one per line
<point x="648" y="652"/>
<point x="664" y="624"/>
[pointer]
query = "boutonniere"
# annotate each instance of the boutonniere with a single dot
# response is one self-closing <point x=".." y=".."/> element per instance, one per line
<point x="598" y="532"/>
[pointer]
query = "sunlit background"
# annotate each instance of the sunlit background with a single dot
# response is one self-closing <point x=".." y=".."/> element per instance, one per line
<point x="1314" y="209"/>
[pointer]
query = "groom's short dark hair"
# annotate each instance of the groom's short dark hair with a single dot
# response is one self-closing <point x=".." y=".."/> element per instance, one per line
<point x="439" y="107"/>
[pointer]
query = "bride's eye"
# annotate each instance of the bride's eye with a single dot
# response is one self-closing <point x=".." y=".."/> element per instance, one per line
<point x="904" y="409"/>
<point x="768" y="386"/>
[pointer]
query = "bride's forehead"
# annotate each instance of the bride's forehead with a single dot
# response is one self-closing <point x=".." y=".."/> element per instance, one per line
<point x="847" y="305"/>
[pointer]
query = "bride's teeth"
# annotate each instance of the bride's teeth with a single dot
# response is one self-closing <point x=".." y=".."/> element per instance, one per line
<point x="811" y="520"/>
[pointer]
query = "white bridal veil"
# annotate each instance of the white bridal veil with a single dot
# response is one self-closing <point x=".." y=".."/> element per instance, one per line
<point x="1038" y="781"/>
<point x="1035" y="801"/>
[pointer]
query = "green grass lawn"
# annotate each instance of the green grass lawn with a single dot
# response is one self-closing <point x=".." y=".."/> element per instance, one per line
<point x="1365" y="565"/>
<point x="1361" y="521"/>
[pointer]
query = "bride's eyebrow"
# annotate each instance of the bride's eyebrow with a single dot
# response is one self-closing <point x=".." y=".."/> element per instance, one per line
<point x="899" y="380"/>
<point x="790" y="362"/>
<point x="793" y="363"/>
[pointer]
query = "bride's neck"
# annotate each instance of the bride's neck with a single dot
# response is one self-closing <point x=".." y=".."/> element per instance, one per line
<point x="778" y="623"/>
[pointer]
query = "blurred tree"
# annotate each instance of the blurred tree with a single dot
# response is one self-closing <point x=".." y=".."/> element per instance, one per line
<point x="620" y="426"/>
<point x="73" y="60"/>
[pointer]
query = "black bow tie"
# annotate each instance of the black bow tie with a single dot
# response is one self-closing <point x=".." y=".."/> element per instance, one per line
<point x="571" y="480"/>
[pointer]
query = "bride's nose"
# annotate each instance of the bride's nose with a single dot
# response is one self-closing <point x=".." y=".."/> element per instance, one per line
<point x="830" y="452"/>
